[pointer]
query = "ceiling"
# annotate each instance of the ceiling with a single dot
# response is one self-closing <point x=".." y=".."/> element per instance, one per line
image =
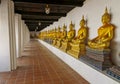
<point x="33" y="11"/>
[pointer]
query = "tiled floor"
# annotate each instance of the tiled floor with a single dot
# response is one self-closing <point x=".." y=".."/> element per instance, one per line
<point x="39" y="66"/>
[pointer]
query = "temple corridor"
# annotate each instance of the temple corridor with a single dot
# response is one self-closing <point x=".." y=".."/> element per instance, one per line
<point x="38" y="65"/>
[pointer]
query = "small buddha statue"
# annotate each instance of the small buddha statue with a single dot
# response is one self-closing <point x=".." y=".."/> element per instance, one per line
<point x="105" y="34"/>
<point x="62" y="36"/>
<point x="70" y="35"/>
<point x="71" y="32"/>
<point x="54" y="36"/>
<point x="58" y="37"/>
<point x="82" y="33"/>
<point x="55" y="33"/>
<point x="64" y="33"/>
<point x="59" y="32"/>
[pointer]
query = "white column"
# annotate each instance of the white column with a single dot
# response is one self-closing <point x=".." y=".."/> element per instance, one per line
<point x="26" y="35"/>
<point x="7" y="36"/>
<point x="12" y="35"/>
<point x="22" y="27"/>
<point x="18" y="34"/>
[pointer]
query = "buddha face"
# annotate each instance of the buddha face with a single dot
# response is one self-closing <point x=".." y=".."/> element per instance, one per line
<point x="58" y="29"/>
<point x="63" y="28"/>
<point x="105" y="18"/>
<point x="71" y="27"/>
<point x="82" y="23"/>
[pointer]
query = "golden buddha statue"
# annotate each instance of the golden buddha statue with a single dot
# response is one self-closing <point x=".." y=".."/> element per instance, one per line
<point x="54" y="36"/>
<point x="71" y="32"/>
<point x="59" y="33"/>
<point x="63" y="36"/>
<point x="77" y="46"/>
<point x="58" y="37"/>
<point x="105" y="34"/>
<point x="70" y="35"/>
<point x="64" y="33"/>
<point x="82" y="33"/>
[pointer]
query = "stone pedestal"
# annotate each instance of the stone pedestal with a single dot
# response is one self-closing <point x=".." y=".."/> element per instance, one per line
<point x="76" y="50"/>
<point x="65" y="46"/>
<point x="54" y="42"/>
<point x="49" y="41"/>
<point x="114" y="71"/>
<point x="58" y="44"/>
<point x="98" y="58"/>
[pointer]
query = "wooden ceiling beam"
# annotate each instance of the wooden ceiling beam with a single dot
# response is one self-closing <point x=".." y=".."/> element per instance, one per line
<point x="54" y="9"/>
<point x="55" y="2"/>
<point x="39" y="19"/>
<point x="32" y="28"/>
<point x="38" y="22"/>
<point x="39" y="13"/>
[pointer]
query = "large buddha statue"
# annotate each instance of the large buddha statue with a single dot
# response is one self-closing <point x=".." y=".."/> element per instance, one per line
<point x="77" y="46"/>
<point x="105" y="34"/>
<point x="70" y="35"/>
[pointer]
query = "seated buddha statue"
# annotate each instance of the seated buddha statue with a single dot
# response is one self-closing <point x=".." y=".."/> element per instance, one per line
<point x="105" y="34"/>
<point x="77" y="46"/>
<point x="63" y="36"/>
<point x="58" y="36"/>
<point x="59" y="32"/>
<point x="70" y="35"/>
<point x="64" y="33"/>
<point x="54" y="36"/>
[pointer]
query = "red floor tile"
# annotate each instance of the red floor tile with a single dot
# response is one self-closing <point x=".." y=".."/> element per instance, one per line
<point x="38" y="65"/>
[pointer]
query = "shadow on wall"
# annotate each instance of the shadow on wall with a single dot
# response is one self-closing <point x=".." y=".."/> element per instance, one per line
<point x="115" y="47"/>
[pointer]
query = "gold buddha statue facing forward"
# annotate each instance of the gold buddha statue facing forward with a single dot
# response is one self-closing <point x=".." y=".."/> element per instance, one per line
<point x="71" y="32"/>
<point x="77" y="46"/>
<point x="58" y="32"/>
<point x="62" y="37"/>
<point x="105" y="34"/>
<point x="82" y="33"/>
<point x="70" y="35"/>
<point x="64" y="33"/>
<point x="54" y="36"/>
<point x="58" y="37"/>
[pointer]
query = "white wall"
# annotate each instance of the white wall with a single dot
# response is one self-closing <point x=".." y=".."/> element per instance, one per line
<point x="93" y="10"/>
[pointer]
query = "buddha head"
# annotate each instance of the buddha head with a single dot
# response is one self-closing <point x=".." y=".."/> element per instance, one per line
<point x="106" y="17"/>
<point x="64" y="27"/>
<point x="82" y="22"/>
<point x="58" y="28"/>
<point x="71" y="26"/>
<point x="55" y="29"/>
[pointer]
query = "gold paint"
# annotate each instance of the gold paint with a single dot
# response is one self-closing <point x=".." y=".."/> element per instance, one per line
<point x="70" y="35"/>
<point x="105" y="34"/>
<point x="77" y="46"/>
